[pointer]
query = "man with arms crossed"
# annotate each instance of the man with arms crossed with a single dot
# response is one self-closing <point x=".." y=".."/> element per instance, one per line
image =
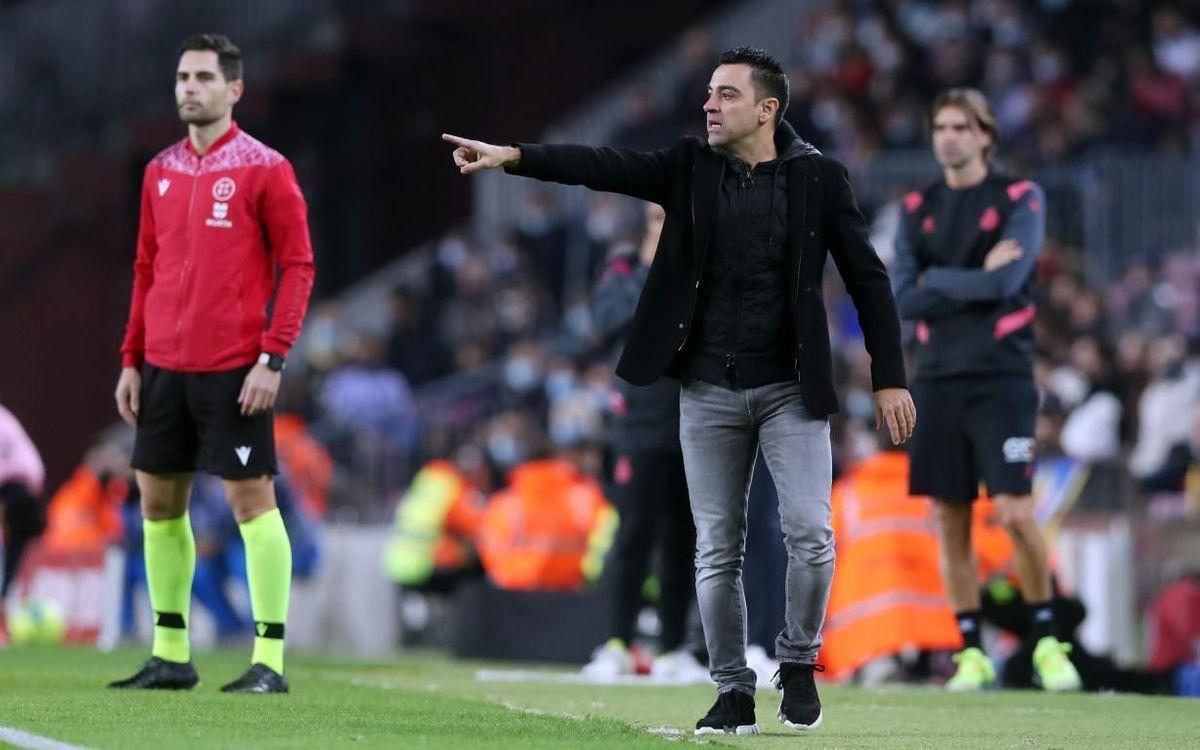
<point x="732" y="307"/>
<point x="221" y="214"/>
<point x="965" y="257"/>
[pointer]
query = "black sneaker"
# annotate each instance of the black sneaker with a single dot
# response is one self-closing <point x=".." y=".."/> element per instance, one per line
<point x="259" y="678"/>
<point x="733" y="713"/>
<point x="157" y="674"/>
<point x="800" y="707"/>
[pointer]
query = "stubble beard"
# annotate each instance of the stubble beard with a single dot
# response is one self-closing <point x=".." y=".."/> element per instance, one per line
<point x="199" y="116"/>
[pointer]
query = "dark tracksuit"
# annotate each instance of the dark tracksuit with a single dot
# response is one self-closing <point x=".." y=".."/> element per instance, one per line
<point x="973" y="388"/>
<point x="647" y="480"/>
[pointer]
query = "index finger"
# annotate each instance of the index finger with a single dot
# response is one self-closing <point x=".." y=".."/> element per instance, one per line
<point x="458" y="141"/>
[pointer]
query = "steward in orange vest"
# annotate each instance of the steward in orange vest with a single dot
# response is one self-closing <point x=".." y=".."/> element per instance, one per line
<point x="887" y="592"/>
<point x="549" y="529"/>
<point x="436" y="523"/>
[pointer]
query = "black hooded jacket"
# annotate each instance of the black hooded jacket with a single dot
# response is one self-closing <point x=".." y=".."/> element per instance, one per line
<point x="742" y="333"/>
<point x="822" y="220"/>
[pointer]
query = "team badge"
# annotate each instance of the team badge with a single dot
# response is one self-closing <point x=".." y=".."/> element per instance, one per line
<point x="223" y="189"/>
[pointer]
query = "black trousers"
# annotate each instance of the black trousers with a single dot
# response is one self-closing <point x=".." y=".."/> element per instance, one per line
<point x="24" y="521"/>
<point x="650" y="492"/>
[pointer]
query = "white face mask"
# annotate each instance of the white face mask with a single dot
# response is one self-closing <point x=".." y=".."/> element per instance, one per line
<point x="602" y="223"/>
<point x="452" y="252"/>
<point x="560" y="384"/>
<point x="521" y="374"/>
<point x="565" y="431"/>
<point x="505" y="450"/>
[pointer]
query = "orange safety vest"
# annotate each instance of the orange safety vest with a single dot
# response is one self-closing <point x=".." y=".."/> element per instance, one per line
<point x="435" y="527"/>
<point x="549" y="529"/>
<point x="85" y="514"/>
<point x="307" y="464"/>
<point x="887" y="592"/>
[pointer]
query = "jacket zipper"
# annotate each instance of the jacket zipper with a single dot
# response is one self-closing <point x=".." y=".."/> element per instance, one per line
<point x="187" y="258"/>
<point x="746" y="183"/>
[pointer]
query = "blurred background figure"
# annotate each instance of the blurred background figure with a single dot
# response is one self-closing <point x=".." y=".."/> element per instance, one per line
<point x="22" y="516"/>
<point x="85" y="513"/>
<point x="656" y="534"/>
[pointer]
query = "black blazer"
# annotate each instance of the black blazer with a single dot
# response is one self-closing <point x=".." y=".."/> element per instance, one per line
<point x="822" y="218"/>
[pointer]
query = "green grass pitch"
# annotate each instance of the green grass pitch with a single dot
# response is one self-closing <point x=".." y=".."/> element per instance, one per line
<point x="431" y="702"/>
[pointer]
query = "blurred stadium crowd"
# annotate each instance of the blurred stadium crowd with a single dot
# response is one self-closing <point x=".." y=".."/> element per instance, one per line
<point x="1118" y="357"/>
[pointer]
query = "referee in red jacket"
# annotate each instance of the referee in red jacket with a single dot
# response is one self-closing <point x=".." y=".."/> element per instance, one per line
<point x="223" y="233"/>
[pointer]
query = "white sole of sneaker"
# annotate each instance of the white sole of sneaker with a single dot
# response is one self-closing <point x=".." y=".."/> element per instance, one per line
<point x="744" y="729"/>
<point x="800" y="727"/>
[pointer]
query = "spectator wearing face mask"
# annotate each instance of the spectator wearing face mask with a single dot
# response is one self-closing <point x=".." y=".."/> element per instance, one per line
<point x="1161" y="454"/>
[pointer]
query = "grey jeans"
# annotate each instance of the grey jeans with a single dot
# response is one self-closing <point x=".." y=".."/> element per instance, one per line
<point x="721" y="431"/>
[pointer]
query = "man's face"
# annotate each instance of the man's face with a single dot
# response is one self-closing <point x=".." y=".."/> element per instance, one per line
<point x="202" y="94"/>
<point x="733" y="110"/>
<point x="957" y="138"/>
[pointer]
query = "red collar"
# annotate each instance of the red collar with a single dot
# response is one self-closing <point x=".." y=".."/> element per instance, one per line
<point x="226" y="138"/>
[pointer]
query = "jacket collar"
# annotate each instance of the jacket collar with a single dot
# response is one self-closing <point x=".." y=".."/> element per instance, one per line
<point x="788" y="145"/>
<point x="709" y="170"/>
<point x="228" y="136"/>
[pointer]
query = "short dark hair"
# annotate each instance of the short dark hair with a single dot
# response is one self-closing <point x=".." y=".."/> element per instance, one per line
<point x="229" y="57"/>
<point x="766" y="74"/>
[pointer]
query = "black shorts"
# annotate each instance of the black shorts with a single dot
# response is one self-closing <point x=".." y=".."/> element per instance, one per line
<point x="191" y="421"/>
<point x="972" y="429"/>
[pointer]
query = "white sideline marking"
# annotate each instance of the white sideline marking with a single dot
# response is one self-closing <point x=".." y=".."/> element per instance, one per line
<point x="671" y="734"/>
<point x="30" y="741"/>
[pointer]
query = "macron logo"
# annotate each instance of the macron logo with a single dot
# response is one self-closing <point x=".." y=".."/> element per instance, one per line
<point x="243" y="453"/>
<point x="162" y="187"/>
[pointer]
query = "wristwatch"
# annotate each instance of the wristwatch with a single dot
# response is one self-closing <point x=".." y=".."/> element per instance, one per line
<point x="275" y="362"/>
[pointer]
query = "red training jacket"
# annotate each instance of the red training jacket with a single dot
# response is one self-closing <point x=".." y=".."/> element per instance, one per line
<point x="214" y="229"/>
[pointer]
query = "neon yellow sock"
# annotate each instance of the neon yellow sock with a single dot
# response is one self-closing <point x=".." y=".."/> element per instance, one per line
<point x="269" y="568"/>
<point x="170" y="551"/>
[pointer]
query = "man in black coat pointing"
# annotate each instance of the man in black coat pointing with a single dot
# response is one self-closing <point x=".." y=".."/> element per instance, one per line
<point x="732" y="308"/>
